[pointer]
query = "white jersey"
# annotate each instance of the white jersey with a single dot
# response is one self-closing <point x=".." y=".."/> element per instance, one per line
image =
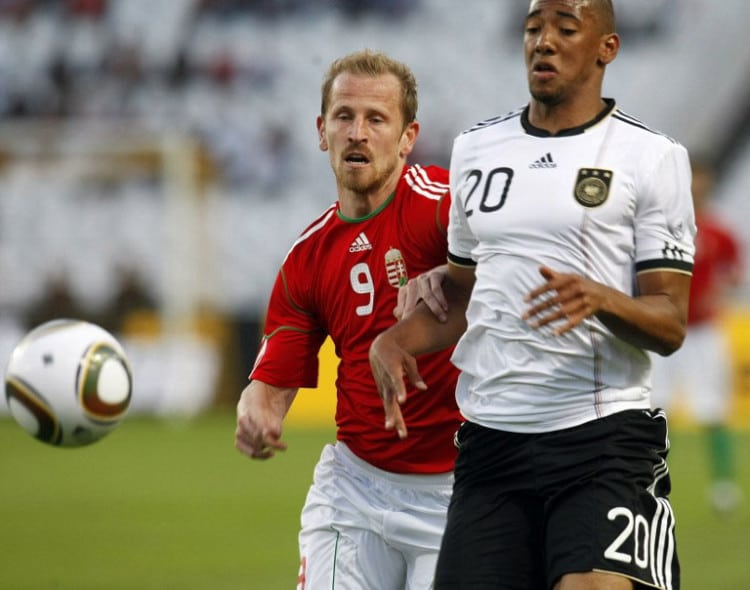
<point x="606" y="201"/>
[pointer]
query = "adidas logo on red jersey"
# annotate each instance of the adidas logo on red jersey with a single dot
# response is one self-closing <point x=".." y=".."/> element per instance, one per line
<point x="360" y="244"/>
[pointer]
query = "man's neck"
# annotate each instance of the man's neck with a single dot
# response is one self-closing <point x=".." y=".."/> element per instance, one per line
<point x="358" y="205"/>
<point x="558" y="117"/>
<point x="355" y="205"/>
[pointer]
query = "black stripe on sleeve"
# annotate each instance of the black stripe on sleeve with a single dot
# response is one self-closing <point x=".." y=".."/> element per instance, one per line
<point x="458" y="261"/>
<point x="664" y="264"/>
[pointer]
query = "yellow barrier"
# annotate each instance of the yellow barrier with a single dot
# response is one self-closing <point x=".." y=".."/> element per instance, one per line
<point x="317" y="407"/>
<point x="737" y="325"/>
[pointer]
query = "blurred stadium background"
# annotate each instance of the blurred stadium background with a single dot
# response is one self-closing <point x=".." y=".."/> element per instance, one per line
<point x="158" y="157"/>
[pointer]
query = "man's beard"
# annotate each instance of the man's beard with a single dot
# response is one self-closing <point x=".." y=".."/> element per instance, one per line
<point x="360" y="185"/>
<point x="367" y="184"/>
<point x="546" y="97"/>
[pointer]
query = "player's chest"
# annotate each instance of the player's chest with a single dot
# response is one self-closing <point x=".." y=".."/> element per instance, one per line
<point x="545" y="187"/>
<point x="362" y="265"/>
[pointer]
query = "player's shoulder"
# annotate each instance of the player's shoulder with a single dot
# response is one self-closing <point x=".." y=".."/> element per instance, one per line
<point x="320" y="221"/>
<point x="641" y="130"/>
<point x="430" y="182"/>
<point x="315" y="232"/>
<point x="488" y="131"/>
<point x="498" y="123"/>
<point x="649" y="149"/>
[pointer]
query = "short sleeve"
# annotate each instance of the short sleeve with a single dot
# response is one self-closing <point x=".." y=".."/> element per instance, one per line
<point x="461" y="240"/>
<point x="665" y="221"/>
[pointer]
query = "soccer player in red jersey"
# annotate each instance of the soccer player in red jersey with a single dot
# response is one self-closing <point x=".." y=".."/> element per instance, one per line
<point x="375" y="514"/>
<point x="701" y="369"/>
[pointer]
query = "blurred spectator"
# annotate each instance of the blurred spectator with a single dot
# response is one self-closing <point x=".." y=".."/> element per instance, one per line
<point x="701" y="369"/>
<point x="273" y="168"/>
<point x="131" y="303"/>
<point x="268" y="9"/>
<point x="391" y="9"/>
<point x="180" y="72"/>
<point x="16" y="10"/>
<point x="88" y="9"/>
<point x="250" y="159"/>
<point x="58" y="301"/>
<point x="61" y="91"/>
<point x="223" y="69"/>
<point x="111" y="93"/>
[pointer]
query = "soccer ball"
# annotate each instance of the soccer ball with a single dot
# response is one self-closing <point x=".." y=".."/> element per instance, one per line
<point x="68" y="383"/>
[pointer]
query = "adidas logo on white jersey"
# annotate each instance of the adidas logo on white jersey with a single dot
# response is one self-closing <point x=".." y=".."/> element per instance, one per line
<point x="544" y="162"/>
<point x="360" y="244"/>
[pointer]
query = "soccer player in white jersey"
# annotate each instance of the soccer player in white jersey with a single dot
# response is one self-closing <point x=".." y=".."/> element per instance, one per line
<point x="375" y="512"/>
<point x="571" y="243"/>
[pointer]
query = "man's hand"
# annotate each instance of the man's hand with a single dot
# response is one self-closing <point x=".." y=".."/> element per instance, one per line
<point x="390" y="364"/>
<point x="567" y="297"/>
<point x="426" y="287"/>
<point x="260" y="413"/>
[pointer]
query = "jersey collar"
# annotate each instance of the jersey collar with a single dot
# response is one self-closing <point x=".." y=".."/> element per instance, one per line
<point x="536" y="131"/>
<point x="370" y="215"/>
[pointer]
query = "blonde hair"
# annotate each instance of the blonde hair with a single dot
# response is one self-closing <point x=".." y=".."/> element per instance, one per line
<point x="373" y="63"/>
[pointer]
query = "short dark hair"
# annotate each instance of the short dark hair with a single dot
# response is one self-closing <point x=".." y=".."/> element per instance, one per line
<point x="606" y="10"/>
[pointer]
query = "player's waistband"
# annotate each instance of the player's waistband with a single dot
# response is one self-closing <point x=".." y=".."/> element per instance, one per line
<point x="424" y="481"/>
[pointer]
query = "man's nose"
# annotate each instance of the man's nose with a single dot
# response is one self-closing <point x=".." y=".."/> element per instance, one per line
<point x="358" y="130"/>
<point x="545" y="42"/>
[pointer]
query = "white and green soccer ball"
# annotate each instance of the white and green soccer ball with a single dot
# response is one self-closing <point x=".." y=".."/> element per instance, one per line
<point x="68" y="383"/>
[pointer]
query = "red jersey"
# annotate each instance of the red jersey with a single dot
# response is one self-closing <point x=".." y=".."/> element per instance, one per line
<point x="341" y="278"/>
<point x="717" y="262"/>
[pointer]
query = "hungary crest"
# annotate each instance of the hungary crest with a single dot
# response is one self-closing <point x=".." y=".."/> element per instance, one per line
<point x="395" y="268"/>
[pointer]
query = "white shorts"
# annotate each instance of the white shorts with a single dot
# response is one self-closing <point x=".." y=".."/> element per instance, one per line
<point x="364" y="528"/>
<point x="700" y="371"/>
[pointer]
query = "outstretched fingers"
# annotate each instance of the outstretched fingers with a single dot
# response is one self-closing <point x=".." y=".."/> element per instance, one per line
<point x="394" y="419"/>
<point x="391" y="366"/>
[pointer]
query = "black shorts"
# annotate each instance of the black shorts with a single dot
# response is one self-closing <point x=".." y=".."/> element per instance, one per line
<point x="528" y="508"/>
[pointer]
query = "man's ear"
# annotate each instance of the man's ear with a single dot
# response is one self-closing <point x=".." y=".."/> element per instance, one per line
<point x="408" y="139"/>
<point x="322" y="141"/>
<point x="608" y="48"/>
